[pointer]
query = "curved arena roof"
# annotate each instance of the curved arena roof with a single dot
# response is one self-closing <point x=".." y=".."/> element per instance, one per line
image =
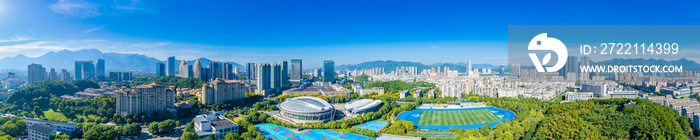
<point x="306" y="104"/>
<point x="362" y="105"/>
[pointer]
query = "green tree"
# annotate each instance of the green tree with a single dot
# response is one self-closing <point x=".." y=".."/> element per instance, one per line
<point x="232" y="136"/>
<point x="153" y="128"/>
<point x="188" y="136"/>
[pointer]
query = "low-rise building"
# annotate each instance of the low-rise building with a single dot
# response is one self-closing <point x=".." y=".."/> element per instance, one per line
<point x="624" y="94"/>
<point x="417" y="93"/>
<point x="62" y="127"/>
<point x="403" y="94"/>
<point x="40" y="132"/>
<point x="572" y="96"/>
<point x="378" y="90"/>
<point x="214" y="124"/>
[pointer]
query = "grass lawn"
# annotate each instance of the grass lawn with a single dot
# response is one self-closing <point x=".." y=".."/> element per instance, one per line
<point x="239" y="118"/>
<point x="55" y="115"/>
<point x="58" y="116"/>
<point x="464" y="117"/>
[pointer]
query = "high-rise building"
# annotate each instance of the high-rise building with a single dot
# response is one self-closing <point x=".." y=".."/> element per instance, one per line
<point x="53" y="75"/>
<point x="296" y="69"/>
<point x="251" y="71"/>
<point x="264" y="76"/>
<point x="469" y="67"/>
<point x="65" y="75"/>
<point x="154" y="97"/>
<point x="78" y="70"/>
<point x="515" y="70"/>
<point x="120" y="76"/>
<point x="502" y="70"/>
<point x="328" y="71"/>
<point x="197" y="70"/>
<point x="585" y="60"/>
<point x="571" y="66"/>
<point x="85" y="70"/>
<point x="275" y="76"/>
<point x="170" y="66"/>
<point x="222" y="90"/>
<point x="100" y="68"/>
<point x="204" y="74"/>
<point x="35" y="73"/>
<point x="284" y="77"/>
<point x="214" y="71"/>
<point x="185" y="70"/>
<point x="236" y="72"/>
<point x="227" y="71"/>
<point x="88" y="70"/>
<point x="160" y="70"/>
<point x="318" y="72"/>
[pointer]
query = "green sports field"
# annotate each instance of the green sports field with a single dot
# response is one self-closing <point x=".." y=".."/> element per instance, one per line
<point x="463" y="117"/>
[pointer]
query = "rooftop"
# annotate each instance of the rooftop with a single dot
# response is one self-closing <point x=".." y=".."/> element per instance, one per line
<point x="222" y="123"/>
<point x="42" y="128"/>
<point x="306" y="104"/>
<point x="51" y="122"/>
<point x="685" y="104"/>
<point x="693" y="109"/>
<point x="155" y="84"/>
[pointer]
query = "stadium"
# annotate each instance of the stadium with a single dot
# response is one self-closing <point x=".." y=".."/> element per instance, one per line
<point x="306" y="109"/>
<point x="363" y="106"/>
<point x="463" y="118"/>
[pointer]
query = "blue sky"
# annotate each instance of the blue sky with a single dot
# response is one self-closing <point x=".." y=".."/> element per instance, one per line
<point x="348" y="32"/>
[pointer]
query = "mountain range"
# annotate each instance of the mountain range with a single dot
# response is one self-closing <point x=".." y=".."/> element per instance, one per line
<point x="137" y="62"/>
<point x="65" y="59"/>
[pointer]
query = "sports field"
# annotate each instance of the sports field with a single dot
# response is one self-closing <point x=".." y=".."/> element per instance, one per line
<point x="462" y="117"/>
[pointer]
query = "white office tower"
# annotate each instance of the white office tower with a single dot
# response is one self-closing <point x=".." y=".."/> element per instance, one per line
<point x="469" y="68"/>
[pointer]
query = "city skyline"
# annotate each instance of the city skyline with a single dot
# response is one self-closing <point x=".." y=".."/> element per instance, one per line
<point x="250" y="35"/>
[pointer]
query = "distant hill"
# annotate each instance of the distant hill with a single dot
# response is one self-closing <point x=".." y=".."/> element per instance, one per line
<point x="390" y="65"/>
<point x="65" y="59"/>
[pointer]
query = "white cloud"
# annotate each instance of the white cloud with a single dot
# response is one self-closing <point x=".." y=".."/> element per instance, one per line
<point x="78" y="8"/>
<point x="93" y="29"/>
<point x="43" y="45"/>
<point x="435" y="47"/>
<point x="15" y="38"/>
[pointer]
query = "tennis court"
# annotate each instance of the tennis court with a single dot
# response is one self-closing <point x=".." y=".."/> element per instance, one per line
<point x="282" y="133"/>
<point x="376" y="126"/>
<point x="279" y="133"/>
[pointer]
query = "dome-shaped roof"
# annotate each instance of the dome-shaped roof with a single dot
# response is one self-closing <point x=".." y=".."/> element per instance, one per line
<point x="306" y="104"/>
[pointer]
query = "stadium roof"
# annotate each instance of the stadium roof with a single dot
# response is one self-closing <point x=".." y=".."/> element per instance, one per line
<point x="362" y="105"/>
<point x="306" y="104"/>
